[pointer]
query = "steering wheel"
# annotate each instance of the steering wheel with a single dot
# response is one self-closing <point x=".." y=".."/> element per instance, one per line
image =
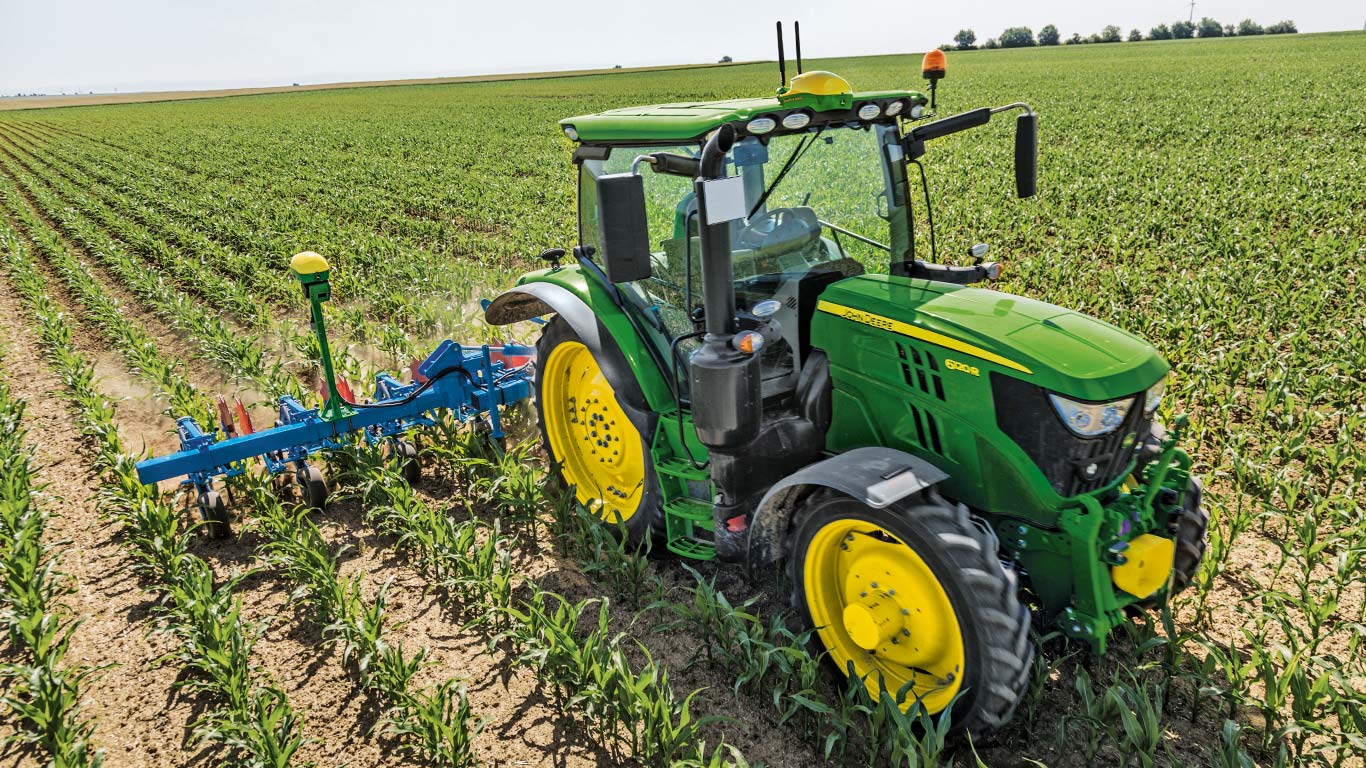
<point x="785" y="228"/>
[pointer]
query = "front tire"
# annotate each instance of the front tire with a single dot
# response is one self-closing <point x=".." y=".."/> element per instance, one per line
<point x="594" y="447"/>
<point x="1189" y="533"/>
<point x="915" y="594"/>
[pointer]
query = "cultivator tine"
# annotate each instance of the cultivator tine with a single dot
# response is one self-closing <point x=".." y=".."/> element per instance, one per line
<point x="244" y="424"/>
<point x="344" y="390"/>
<point x="225" y="417"/>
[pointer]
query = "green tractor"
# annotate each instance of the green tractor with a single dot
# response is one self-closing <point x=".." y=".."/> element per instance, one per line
<point x="934" y="464"/>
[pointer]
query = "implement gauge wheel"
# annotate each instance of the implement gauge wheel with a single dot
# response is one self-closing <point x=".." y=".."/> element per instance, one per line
<point x="593" y="445"/>
<point x="214" y="513"/>
<point x="406" y="451"/>
<point x="312" y="486"/>
<point x="915" y="593"/>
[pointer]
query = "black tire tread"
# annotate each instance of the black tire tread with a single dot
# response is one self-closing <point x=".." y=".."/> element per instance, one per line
<point x="651" y="510"/>
<point x="1008" y="654"/>
<point x="1190" y="539"/>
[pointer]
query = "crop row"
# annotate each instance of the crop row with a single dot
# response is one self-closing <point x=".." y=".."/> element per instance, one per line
<point x="44" y="691"/>
<point x="437" y="723"/>
<point x="247" y="714"/>
<point x="251" y="224"/>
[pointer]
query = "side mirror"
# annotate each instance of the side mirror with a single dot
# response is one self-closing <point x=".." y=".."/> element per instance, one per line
<point x="622" y="231"/>
<point x="1027" y="154"/>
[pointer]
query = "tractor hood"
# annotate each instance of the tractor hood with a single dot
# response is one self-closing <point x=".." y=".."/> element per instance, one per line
<point x="1055" y="348"/>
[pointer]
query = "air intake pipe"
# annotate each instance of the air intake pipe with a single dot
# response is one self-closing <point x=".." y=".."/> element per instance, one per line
<point x="725" y="381"/>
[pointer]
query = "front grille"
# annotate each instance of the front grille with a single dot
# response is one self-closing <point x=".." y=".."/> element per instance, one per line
<point x="1072" y="464"/>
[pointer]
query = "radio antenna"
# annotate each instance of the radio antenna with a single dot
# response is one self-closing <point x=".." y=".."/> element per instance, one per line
<point x="782" y="61"/>
<point x="797" y="33"/>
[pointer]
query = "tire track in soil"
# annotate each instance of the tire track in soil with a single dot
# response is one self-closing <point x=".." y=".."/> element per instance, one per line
<point x="523" y="727"/>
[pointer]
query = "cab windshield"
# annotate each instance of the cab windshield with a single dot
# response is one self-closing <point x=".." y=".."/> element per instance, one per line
<point x="818" y="202"/>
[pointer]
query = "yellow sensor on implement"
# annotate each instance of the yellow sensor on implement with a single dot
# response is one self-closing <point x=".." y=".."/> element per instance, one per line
<point x="308" y="263"/>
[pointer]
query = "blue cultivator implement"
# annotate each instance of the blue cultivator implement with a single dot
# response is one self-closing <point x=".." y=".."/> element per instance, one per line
<point x="465" y="382"/>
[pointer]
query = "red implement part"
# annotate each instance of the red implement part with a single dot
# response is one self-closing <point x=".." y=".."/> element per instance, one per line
<point x="508" y="361"/>
<point x="243" y="418"/>
<point x="322" y="391"/>
<point x="225" y="417"/>
<point x="344" y="390"/>
<point x="412" y="368"/>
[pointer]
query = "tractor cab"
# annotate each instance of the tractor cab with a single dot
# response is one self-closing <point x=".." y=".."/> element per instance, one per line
<point x="819" y="185"/>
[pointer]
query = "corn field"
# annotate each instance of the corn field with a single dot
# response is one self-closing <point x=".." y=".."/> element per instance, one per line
<point x="1208" y="195"/>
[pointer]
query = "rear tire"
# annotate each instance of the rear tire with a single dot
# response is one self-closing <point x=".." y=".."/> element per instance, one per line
<point x="594" y="447"/>
<point x="911" y="592"/>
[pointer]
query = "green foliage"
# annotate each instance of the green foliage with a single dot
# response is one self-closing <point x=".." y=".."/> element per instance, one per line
<point x="1208" y="27"/>
<point x="246" y="715"/>
<point x="1017" y="37"/>
<point x="1048" y="35"/>
<point x="965" y="40"/>
<point x="42" y="690"/>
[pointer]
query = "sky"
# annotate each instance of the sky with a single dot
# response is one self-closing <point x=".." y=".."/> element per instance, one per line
<point x="55" y="46"/>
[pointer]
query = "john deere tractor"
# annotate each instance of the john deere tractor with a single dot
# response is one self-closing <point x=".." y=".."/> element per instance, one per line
<point x="931" y="461"/>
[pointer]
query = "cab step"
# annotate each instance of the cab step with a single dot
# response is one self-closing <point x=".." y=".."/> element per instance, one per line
<point x="683" y="470"/>
<point x="688" y="525"/>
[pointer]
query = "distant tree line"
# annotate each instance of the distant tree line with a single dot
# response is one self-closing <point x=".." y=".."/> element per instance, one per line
<point x="1023" y="37"/>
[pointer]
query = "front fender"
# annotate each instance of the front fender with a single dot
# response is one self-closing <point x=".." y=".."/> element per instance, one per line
<point x="877" y="476"/>
<point x="594" y="316"/>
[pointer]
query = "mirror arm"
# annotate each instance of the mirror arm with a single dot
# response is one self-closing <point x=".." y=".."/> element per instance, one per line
<point x="1013" y="105"/>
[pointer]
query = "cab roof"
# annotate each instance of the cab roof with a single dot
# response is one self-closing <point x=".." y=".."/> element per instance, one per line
<point x="823" y="96"/>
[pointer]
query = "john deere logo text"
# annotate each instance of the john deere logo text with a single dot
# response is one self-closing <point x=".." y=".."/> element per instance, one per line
<point x="954" y="365"/>
<point x="877" y="321"/>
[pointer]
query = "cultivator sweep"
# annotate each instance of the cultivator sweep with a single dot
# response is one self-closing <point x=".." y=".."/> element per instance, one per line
<point x="469" y="383"/>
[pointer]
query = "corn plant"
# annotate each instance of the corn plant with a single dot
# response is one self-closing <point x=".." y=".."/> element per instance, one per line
<point x="437" y="726"/>
<point x="43" y="690"/>
<point x="247" y="714"/>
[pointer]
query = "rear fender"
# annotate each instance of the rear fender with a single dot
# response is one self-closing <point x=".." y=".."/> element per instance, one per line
<point x="595" y="317"/>
<point x="877" y="476"/>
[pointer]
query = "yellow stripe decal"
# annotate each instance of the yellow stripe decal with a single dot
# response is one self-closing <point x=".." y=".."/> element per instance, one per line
<point x="906" y="329"/>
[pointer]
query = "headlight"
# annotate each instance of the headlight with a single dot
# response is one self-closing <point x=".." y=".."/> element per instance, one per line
<point x="917" y="111"/>
<point x="895" y="108"/>
<point x="1154" y="396"/>
<point x="571" y="133"/>
<point x="1091" y="419"/>
<point x="761" y="125"/>
<point x="869" y="111"/>
<point x="796" y="120"/>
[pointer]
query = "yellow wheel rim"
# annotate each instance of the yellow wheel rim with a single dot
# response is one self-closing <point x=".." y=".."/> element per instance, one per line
<point x="598" y="448"/>
<point x="877" y="604"/>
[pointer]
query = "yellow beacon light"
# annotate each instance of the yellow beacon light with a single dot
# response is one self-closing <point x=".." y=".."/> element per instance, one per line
<point x="932" y="68"/>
